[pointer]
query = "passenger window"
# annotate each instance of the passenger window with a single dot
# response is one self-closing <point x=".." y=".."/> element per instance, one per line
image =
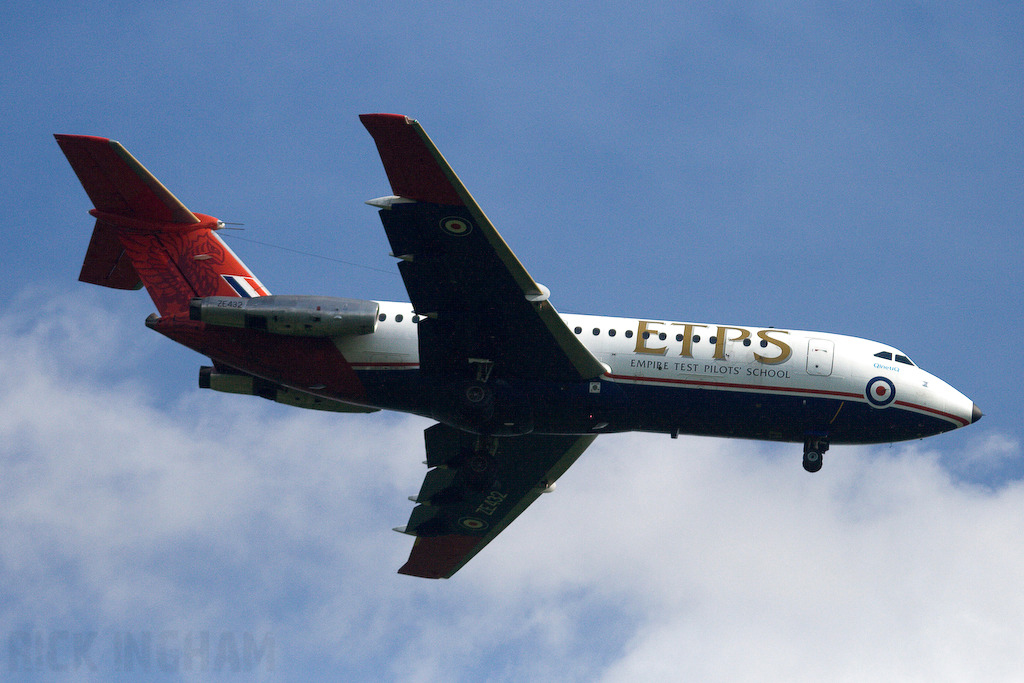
<point x="596" y="331"/>
<point x="629" y="334"/>
<point x="382" y="317"/>
<point x="578" y="330"/>
<point x="611" y="333"/>
<point x="398" y="318"/>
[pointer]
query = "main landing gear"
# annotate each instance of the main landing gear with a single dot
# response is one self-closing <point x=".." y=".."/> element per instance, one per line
<point x="814" y="448"/>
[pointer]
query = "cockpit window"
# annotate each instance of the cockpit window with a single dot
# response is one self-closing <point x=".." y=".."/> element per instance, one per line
<point x="899" y="358"/>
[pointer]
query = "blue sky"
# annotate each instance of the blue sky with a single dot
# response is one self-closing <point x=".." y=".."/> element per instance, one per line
<point x="848" y="170"/>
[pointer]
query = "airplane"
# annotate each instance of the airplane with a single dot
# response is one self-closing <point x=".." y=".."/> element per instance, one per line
<point x="518" y="391"/>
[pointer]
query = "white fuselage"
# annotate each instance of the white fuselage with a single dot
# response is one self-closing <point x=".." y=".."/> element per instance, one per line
<point x="733" y="359"/>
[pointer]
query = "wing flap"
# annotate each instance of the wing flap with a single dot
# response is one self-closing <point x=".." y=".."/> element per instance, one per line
<point x="480" y="487"/>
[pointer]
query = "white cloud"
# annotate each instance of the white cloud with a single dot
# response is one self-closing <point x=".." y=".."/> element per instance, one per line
<point x="986" y="456"/>
<point x="745" y="568"/>
<point x="655" y="559"/>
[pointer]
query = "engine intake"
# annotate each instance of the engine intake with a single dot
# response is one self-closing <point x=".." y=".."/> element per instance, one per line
<point x="302" y="316"/>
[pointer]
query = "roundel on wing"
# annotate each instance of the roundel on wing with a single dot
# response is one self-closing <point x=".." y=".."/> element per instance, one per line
<point x="880" y="392"/>
<point x="455" y="226"/>
<point x="472" y="524"/>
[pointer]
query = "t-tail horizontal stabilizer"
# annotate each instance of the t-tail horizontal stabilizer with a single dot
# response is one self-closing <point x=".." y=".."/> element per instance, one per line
<point x="144" y="235"/>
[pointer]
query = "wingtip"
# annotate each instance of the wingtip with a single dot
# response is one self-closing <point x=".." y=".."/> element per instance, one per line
<point x="414" y="166"/>
<point x="379" y="122"/>
<point x="94" y="138"/>
<point x="382" y="116"/>
<point x="421" y="575"/>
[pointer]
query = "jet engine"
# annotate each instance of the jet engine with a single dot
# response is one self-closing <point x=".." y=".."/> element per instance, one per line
<point x="301" y="316"/>
<point x="236" y="382"/>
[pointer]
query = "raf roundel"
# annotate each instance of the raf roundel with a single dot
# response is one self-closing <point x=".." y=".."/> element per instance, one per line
<point x="472" y="524"/>
<point x="455" y="226"/>
<point x="880" y="392"/>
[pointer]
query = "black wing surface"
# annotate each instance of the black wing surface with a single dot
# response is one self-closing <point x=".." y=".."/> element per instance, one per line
<point x="479" y="302"/>
<point x="471" y="494"/>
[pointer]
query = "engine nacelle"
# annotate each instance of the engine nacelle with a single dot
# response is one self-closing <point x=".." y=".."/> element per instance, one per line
<point x="302" y="316"/>
<point x="241" y="383"/>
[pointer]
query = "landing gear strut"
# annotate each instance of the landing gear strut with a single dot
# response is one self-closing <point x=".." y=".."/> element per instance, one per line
<point x="814" y="448"/>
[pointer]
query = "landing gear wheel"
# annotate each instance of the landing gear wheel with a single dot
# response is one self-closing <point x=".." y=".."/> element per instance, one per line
<point x="814" y="448"/>
<point x="479" y="464"/>
<point x="812" y="461"/>
<point x="475" y="393"/>
<point x="479" y="469"/>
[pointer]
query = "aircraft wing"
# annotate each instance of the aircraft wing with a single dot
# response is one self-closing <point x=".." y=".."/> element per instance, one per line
<point x="479" y="301"/>
<point x="462" y="506"/>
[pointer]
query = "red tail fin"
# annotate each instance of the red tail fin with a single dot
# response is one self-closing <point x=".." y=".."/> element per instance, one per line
<point x="145" y="236"/>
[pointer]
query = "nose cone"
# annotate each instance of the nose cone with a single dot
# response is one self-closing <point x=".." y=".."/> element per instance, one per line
<point x="976" y="414"/>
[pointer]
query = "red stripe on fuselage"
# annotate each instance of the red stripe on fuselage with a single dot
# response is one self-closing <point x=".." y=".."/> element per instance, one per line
<point x="737" y="387"/>
<point x="948" y="416"/>
<point x="786" y="390"/>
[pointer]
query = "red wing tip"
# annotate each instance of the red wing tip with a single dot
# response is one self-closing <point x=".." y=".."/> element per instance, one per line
<point x="93" y="138"/>
<point x="383" y="115"/>
<point x="369" y="119"/>
<point x="438" y="557"/>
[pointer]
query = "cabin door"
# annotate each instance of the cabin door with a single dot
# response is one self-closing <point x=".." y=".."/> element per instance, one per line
<point x="819" y="357"/>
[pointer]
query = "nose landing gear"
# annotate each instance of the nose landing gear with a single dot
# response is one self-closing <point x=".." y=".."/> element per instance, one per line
<point x="814" y="448"/>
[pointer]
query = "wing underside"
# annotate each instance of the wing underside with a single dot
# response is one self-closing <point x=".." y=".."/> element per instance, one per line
<point x="474" y="488"/>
